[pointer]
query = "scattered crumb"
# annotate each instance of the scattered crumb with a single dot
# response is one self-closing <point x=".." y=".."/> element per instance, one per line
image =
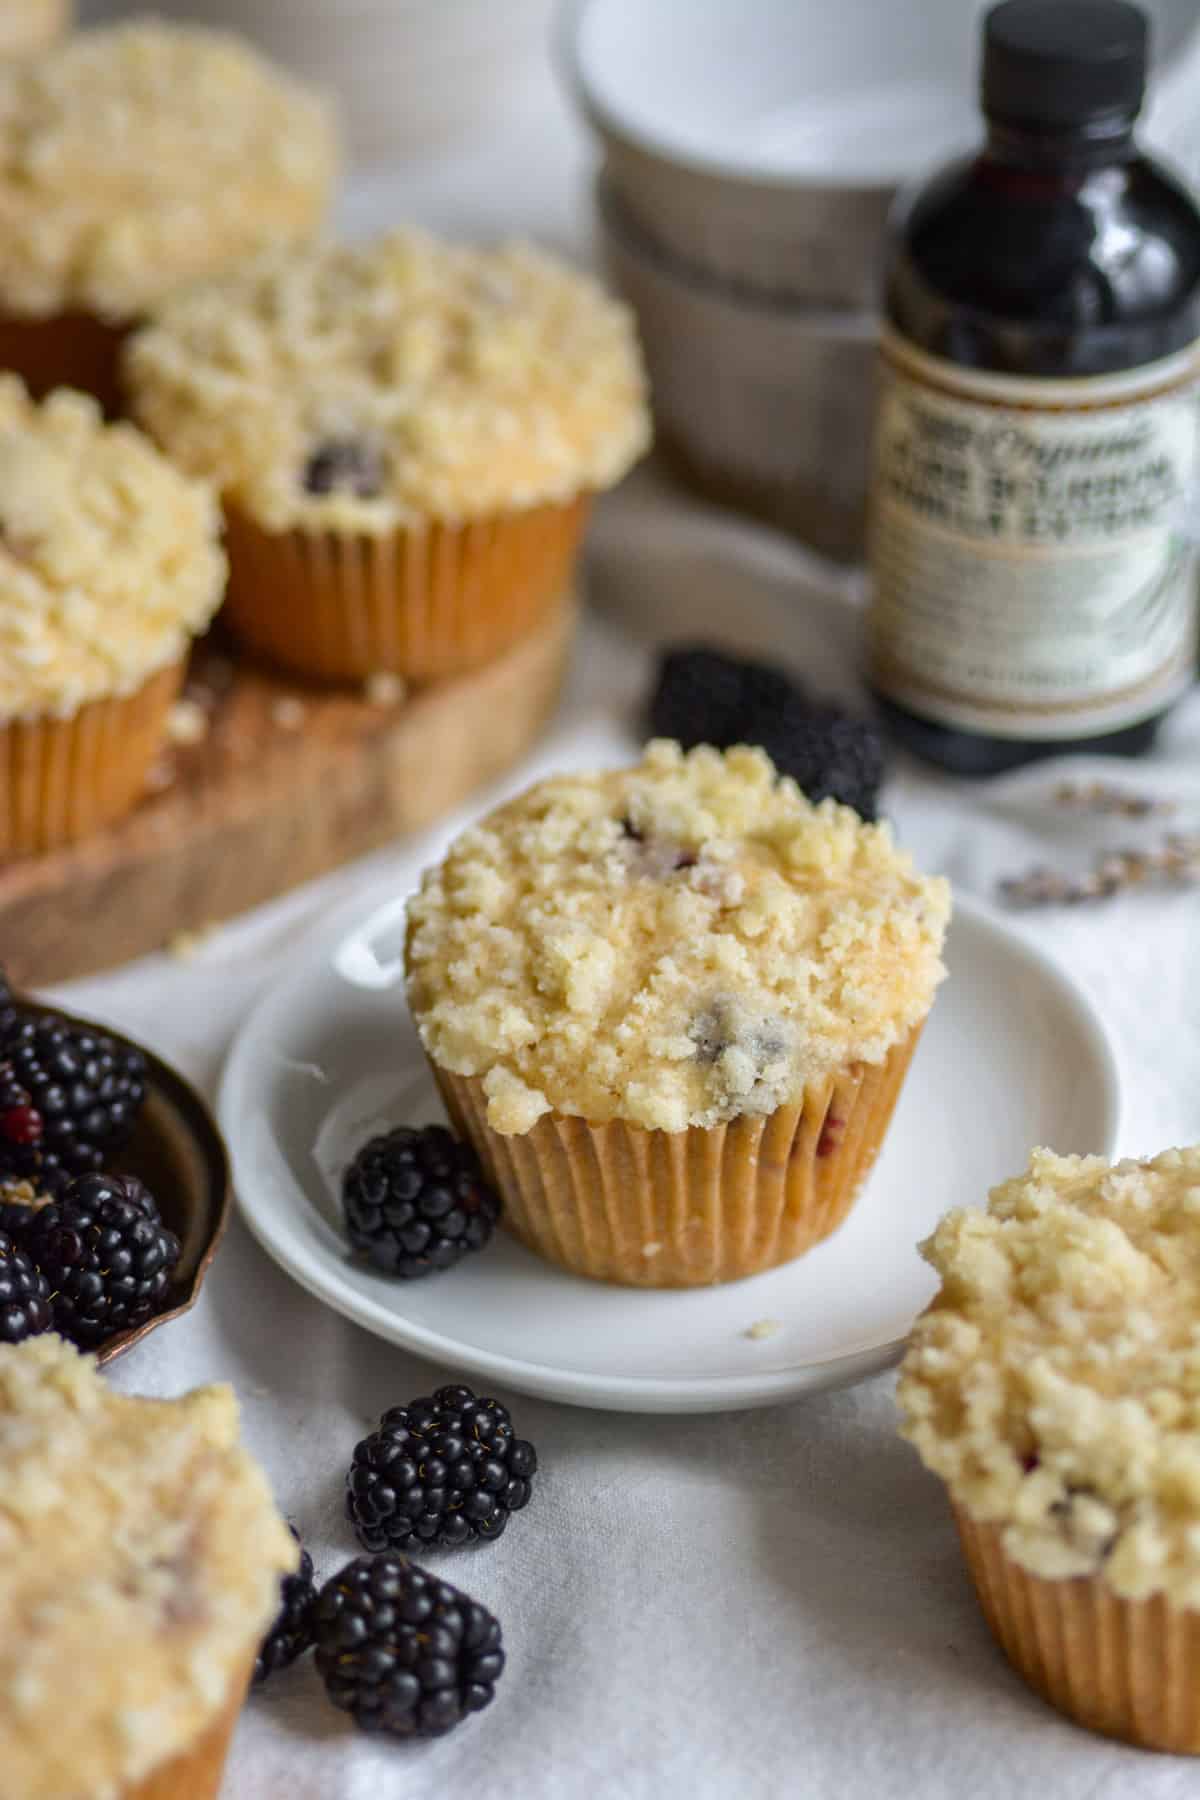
<point x="187" y="722"/>
<point x="184" y="945"/>
<point x="384" y="689"/>
<point x="763" y="1328"/>
<point x="651" y="1249"/>
<point x="288" y="712"/>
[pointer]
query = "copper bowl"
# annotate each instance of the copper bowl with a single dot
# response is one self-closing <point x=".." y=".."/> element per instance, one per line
<point x="178" y="1152"/>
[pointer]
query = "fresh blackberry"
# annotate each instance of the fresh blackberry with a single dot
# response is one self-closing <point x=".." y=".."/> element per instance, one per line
<point x="699" y="697"/>
<point x="703" y="696"/>
<point x="827" y="753"/>
<point x="86" y="1088"/>
<point x="440" y="1471"/>
<point x="415" y="1201"/>
<point x="108" y="1260"/>
<point x="24" y="1295"/>
<point x="21" y="1128"/>
<point x="403" y="1652"/>
<point x="291" y="1634"/>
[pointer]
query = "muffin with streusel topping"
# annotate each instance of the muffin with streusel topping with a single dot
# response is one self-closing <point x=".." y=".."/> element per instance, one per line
<point x="27" y="25"/>
<point x="407" y="436"/>
<point x="1054" y="1385"/>
<point x="140" y="1560"/>
<point x="110" y="563"/>
<point x="672" y="1006"/>
<point x="133" y="159"/>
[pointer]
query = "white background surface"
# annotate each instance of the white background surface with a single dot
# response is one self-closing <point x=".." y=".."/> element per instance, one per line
<point x="756" y="1605"/>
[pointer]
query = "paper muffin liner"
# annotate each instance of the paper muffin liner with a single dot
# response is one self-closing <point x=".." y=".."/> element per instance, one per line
<point x="420" y="603"/>
<point x="196" y="1773"/>
<point x="71" y="349"/>
<point x="62" y="779"/>
<point x="1127" y="1668"/>
<point x="659" y="1209"/>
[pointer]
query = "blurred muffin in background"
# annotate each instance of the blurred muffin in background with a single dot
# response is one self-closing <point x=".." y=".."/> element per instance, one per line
<point x="134" y="159"/>
<point x="27" y="25"/>
<point x="109" y="565"/>
<point x="407" y="436"/>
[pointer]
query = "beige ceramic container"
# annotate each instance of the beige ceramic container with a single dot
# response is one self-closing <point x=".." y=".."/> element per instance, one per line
<point x="764" y="407"/>
<point x="407" y="436"/>
<point x="133" y="160"/>
<point x="760" y="145"/>
<point x="629" y="987"/>
<point x="1054" y="1385"/>
<point x="109" y="564"/>
<point x="140" y="1565"/>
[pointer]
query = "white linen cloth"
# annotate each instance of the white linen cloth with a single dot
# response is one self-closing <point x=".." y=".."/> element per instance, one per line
<point x="755" y="1605"/>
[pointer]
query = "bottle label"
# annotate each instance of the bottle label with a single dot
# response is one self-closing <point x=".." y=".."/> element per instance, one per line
<point x="1033" y="554"/>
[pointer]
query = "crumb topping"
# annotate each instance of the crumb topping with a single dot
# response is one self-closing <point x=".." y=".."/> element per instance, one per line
<point x="27" y="25"/>
<point x="366" y="388"/>
<point x="673" y="944"/>
<point x="109" y="557"/>
<point x="140" y="1557"/>
<point x="137" y="157"/>
<point x="1054" y="1383"/>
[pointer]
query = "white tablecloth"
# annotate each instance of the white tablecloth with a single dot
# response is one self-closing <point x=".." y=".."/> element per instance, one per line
<point x="747" y="1605"/>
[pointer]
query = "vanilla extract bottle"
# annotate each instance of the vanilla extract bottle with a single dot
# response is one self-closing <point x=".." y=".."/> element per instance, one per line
<point x="1037" y="448"/>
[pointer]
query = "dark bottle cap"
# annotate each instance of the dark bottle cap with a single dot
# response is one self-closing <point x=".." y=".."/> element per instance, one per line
<point x="1063" y="64"/>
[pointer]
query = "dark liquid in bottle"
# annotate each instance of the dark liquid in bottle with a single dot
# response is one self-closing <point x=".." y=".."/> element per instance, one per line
<point x="1058" y="254"/>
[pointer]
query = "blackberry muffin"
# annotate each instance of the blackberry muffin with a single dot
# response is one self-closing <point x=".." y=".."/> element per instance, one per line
<point x="672" y="1006"/>
<point x="1054" y="1386"/>
<point x="140" y="1561"/>
<point x="407" y="437"/>
<point x="109" y="564"/>
<point x="134" y="159"/>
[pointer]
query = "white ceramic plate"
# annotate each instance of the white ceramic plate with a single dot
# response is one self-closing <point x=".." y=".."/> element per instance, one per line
<point x="1013" y="1056"/>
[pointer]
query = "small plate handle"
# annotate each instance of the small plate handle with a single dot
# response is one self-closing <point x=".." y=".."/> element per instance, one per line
<point x="372" y="955"/>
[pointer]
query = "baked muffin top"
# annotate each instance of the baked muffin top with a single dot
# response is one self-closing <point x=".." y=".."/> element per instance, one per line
<point x="1054" y="1383"/>
<point x="372" y="387"/>
<point x="673" y="944"/>
<point x="137" y="157"/>
<point x="109" y="557"/>
<point x="27" y="25"/>
<point x="140" y="1559"/>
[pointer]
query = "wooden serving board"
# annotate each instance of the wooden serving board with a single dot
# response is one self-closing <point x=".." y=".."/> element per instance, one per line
<point x="286" y="783"/>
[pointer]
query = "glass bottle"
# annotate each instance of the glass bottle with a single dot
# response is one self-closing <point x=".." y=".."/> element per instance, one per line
<point x="1038" y="434"/>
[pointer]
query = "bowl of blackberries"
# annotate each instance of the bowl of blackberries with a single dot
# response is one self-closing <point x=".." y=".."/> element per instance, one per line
<point x="114" y="1184"/>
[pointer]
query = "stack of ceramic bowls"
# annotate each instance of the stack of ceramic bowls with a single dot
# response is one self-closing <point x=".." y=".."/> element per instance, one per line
<point x="751" y="154"/>
<point x="411" y="75"/>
